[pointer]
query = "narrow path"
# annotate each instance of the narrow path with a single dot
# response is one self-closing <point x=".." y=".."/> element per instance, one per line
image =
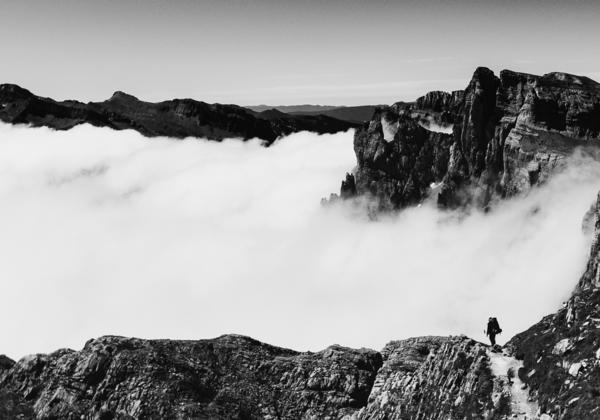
<point x="519" y="396"/>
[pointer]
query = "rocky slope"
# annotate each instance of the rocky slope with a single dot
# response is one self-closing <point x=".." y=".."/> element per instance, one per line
<point x="234" y="377"/>
<point x="496" y="138"/>
<point x="176" y="118"/>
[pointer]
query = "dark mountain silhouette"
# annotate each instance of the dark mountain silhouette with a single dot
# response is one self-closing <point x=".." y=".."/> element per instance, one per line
<point x="288" y="123"/>
<point x="354" y="114"/>
<point x="177" y="118"/>
<point x="291" y="109"/>
<point x="347" y="113"/>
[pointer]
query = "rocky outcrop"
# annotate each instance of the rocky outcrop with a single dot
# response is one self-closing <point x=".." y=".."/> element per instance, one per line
<point x="433" y="378"/>
<point x="497" y="138"/>
<point x="225" y="378"/>
<point x="398" y="159"/>
<point x="237" y="377"/>
<point x="177" y="118"/>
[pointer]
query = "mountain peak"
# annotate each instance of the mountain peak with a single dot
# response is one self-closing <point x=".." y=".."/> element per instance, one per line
<point x="14" y="91"/>
<point x="122" y="96"/>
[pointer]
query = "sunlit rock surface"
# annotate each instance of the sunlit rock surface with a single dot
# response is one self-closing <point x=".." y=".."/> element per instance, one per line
<point x="237" y="377"/>
<point x="433" y="378"/>
<point x="227" y="377"/>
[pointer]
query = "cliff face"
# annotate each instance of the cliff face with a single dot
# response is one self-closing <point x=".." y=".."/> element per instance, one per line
<point x="176" y="118"/>
<point x="498" y="137"/>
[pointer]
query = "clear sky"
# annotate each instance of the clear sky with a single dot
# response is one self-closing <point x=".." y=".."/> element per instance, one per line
<point x="284" y="51"/>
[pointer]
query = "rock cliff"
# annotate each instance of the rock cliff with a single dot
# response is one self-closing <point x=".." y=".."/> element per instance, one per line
<point x="496" y="138"/>
<point x="177" y="118"/>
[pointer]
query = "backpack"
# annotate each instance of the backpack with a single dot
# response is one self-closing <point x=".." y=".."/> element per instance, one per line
<point x="496" y="326"/>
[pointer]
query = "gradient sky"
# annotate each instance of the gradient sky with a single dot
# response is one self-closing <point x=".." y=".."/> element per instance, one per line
<point x="287" y="52"/>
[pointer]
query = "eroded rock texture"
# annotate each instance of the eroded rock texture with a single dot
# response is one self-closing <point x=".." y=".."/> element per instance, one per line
<point x="433" y="378"/>
<point x="177" y="118"/>
<point x="234" y="377"/>
<point x="231" y="377"/>
<point x="498" y="137"/>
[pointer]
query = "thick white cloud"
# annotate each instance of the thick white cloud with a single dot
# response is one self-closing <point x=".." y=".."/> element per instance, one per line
<point x="105" y="232"/>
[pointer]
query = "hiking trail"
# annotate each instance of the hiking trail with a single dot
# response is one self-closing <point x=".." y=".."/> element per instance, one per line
<point x="521" y="407"/>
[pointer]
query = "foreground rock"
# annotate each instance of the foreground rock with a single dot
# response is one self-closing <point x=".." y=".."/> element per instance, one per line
<point x="177" y="118"/>
<point x="498" y="137"/>
<point x="237" y="377"/>
<point x="228" y="377"/>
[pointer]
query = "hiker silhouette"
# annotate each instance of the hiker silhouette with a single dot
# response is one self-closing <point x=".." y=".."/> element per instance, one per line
<point x="492" y="329"/>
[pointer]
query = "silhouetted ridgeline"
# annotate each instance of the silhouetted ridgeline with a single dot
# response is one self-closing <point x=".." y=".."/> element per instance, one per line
<point x="176" y="118"/>
<point x="355" y="114"/>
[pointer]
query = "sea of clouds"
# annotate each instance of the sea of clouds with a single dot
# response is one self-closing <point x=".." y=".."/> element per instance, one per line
<point x="105" y="232"/>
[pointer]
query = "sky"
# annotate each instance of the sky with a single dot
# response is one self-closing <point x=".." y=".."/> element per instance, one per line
<point x="108" y="232"/>
<point x="281" y="52"/>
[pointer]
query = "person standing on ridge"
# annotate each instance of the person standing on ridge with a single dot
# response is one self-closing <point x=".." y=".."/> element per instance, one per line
<point x="492" y="329"/>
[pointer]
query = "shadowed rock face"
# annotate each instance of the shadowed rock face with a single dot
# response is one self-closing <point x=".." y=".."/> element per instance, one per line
<point x="497" y="138"/>
<point x="399" y="172"/>
<point x="177" y="118"/>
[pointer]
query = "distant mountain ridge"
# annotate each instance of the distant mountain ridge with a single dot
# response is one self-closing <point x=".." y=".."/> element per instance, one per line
<point x="354" y="114"/>
<point x="177" y="118"/>
<point x="290" y="109"/>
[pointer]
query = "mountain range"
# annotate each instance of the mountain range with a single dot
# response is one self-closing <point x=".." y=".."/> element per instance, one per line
<point x="355" y="114"/>
<point x="178" y="118"/>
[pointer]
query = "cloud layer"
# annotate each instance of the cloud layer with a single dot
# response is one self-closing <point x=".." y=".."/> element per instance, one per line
<point x="108" y="232"/>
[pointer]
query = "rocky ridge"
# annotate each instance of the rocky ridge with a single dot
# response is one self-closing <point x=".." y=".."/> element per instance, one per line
<point x="237" y="377"/>
<point x="496" y="138"/>
<point x="177" y="118"/>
